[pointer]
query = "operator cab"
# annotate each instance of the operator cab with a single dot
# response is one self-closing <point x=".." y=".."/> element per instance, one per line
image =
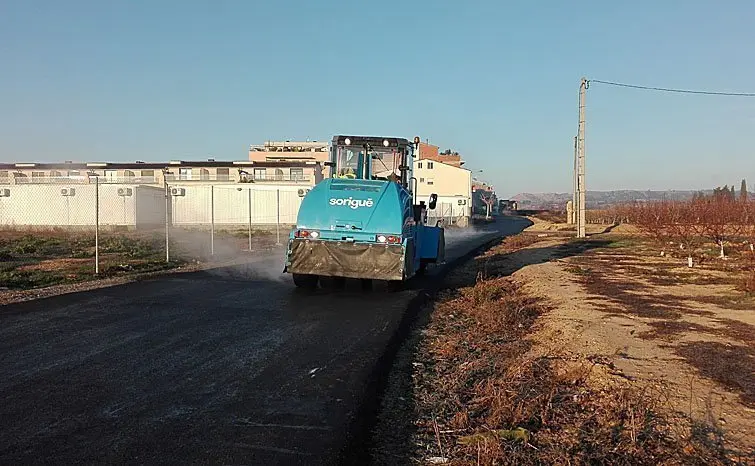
<point x="372" y="158"/>
<point x="378" y="159"/>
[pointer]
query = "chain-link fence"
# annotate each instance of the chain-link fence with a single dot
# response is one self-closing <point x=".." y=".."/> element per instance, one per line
<point x="453" y="212"/>
<point x="79" y="227"/>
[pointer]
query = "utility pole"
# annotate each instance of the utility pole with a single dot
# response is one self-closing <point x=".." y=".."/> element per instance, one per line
<point x="584" y="84"/>
<point x="574" y="205"/>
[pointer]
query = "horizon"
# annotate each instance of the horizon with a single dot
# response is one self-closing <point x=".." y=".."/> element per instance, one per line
<point x="633" y="190"/>
<point x="497" y="83"/>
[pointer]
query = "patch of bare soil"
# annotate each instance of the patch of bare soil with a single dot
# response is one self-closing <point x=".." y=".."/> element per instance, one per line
<point x="552" y="351"/>
<point x="661" y="326"/>
<point x="550" y="224"/>
<point x="52" y="265"/>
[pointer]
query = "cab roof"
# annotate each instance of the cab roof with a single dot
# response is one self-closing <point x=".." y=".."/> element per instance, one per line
<point x="375" y="141"/>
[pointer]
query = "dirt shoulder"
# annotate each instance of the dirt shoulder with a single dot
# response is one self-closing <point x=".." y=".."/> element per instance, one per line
<point x="553" y="350"/>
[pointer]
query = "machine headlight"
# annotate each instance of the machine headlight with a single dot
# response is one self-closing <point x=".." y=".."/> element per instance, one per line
<point x="347" y="141"/>
<point x="307" y="234"/>
<point x="386" y="143"/>
<point x="388" y="239"/>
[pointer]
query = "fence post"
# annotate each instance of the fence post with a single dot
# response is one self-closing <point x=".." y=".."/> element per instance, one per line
<point x="212" y="219"/>
<point x="97" y="225"/>
<point x="249" y="205"/>
<point x="278" y="218"/>
<point x="167" y="222"/>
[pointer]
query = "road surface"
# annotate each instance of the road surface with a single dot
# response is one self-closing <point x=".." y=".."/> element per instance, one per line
<point x="231" y="366"/>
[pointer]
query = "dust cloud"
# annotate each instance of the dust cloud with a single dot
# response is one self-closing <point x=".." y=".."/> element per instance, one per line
<point x="228" y="253"/>
<point x="455" y="235"/>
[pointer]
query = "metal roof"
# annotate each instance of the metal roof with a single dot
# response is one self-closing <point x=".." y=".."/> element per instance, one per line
<point x="152" y="165"/>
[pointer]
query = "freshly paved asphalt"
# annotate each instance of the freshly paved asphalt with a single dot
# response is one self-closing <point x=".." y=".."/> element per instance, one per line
<point x="231" y="366"/>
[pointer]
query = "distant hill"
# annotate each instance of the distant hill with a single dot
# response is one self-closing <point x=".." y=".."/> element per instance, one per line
<point x="599" y="199"/>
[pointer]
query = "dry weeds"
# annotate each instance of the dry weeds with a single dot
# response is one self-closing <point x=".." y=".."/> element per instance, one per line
<point x="484" y="396"/>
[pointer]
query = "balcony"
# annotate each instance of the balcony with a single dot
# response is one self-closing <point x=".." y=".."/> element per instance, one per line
<point x="129" y="180"/>
<point x="85" y="179"/>
<point x="200" y="179"/>
<point x="298" y="179"/>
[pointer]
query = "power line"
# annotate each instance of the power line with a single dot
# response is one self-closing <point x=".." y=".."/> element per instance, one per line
<point x="681" y="91"/>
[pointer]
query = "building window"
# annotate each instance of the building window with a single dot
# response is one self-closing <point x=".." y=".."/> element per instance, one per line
<point x="37" y="175"/>
<point x="224" y="174"/>
<point x="184" y="173"/>
<point x="429" y="165"/>
<point x="421" y="180"/>
<point x="204" y="174"/>
<point x="148" y="173"/>
<point x="297" y="174"/>
<point x="419" y="164"/>
<point x="259" y="174"/>
<point x="429" y="181"/>
<point x="129" y="174"/>
<point x="278" y="174"/>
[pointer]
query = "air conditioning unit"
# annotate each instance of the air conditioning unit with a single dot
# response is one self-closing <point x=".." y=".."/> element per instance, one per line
<point x="178" y="191"/>
<point x="125" y="191"/>
<point x="4" y="192"/>
<point x="68" y="191"/>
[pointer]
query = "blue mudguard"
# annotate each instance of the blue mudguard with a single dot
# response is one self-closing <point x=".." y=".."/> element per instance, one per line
<point x="432" y="244"/>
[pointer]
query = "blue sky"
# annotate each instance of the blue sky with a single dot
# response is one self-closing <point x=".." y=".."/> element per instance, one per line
<point x="497" y="81"/>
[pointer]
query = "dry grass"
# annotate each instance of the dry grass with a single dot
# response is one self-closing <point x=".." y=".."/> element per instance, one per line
<point x="747" y="282"/>
<point x="32" y="259"/>
<point x="484" y="397"/>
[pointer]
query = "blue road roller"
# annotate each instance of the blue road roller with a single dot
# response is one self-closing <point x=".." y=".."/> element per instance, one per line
<point x="364" y="221"/>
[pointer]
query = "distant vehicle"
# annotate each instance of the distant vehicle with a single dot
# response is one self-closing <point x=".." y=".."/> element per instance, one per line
<point x="363" y="221"/>
<point x="506" y="205"/>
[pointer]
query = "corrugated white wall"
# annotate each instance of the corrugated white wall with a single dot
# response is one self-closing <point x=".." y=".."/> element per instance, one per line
<point x="448" y="206"/>
<point x="45" y="205"/>
<point x="150" y="206"/>
<point x="230" y="204"/>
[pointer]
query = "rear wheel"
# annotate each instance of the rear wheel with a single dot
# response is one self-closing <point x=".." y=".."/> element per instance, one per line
<point x="305" y="281"/>
<point x="333" y="282"/>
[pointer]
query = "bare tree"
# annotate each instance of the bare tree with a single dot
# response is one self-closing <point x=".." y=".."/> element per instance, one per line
<point x="489" y="200"/>
<point x="654" y="219"/>
<point x="747" y="220"/>
<point x="720" y="219"/>
<point x="684" y="219"/>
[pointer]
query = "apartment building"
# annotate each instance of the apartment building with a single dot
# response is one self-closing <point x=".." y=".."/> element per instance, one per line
<point x="430" y="152"/>
<point x="276" y="151"/>
<point x="453" y="185"/>
<point x="304" y="172"/>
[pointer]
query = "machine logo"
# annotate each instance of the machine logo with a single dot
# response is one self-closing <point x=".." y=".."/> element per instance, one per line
<point x="351" y="202"/>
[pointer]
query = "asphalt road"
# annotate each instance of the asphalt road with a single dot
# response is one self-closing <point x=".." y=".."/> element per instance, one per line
<point x="230" y="366"/>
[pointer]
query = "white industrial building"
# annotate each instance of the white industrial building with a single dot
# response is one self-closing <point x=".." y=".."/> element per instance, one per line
<point x="75" y="205"/>
<point x="261" y="193"/>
